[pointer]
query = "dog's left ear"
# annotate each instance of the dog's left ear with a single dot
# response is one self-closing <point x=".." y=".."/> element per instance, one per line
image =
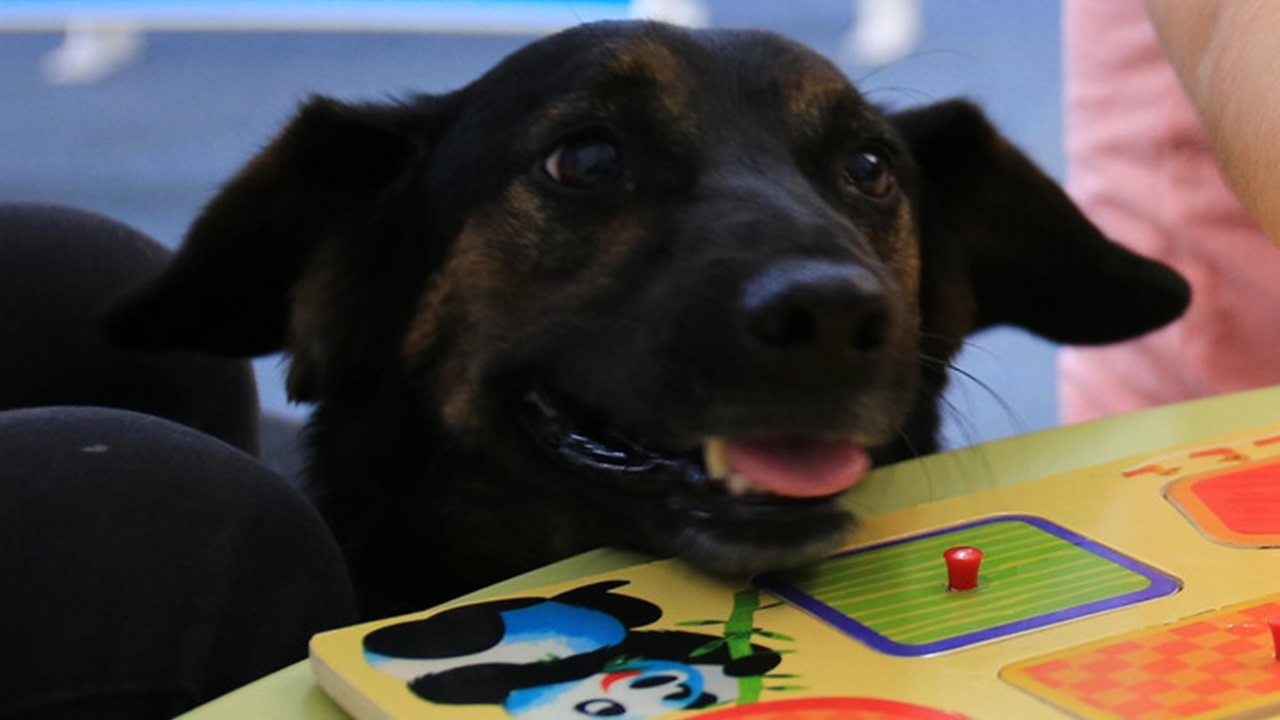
<point x="994" y="224"/>
<point x="291" y="254"/>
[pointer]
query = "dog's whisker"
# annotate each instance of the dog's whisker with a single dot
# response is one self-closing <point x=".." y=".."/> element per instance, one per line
<point x="969" y="435"/>
<point x="895" y="94"/>
<point x="958" y="341"/>
<point x="1016" y="421"/>
<point x="1015" y="418"/>
<point x="950" y="410"/>
<point x="930" y="482"/>
<point x="926" y="335"/>
<point x="911" y="57"/>
<point x="913" y="451"/>
<point x="978" y="347"/>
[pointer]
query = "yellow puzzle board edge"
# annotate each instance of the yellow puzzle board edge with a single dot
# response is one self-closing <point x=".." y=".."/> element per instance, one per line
<point x="1111" y="504"/>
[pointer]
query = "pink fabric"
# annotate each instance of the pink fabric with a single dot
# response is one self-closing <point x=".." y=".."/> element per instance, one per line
<point x="1138" y="164"/>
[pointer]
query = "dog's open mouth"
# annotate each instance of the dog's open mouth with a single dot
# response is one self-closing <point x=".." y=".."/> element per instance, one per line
<point x="781" y="468"/>
<point x="786" y="466"/>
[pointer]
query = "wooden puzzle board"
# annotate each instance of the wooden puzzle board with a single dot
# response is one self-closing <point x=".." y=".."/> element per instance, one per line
<point x="1138" y="589"/>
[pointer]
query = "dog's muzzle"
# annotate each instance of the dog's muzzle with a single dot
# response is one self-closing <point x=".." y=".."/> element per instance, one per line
<point x="736" y="506"/>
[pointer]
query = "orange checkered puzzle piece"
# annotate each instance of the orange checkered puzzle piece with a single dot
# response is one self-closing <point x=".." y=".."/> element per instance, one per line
<point x="1210" y="666"/>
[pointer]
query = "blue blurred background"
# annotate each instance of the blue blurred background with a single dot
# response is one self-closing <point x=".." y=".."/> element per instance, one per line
<point x="149" y="141"/>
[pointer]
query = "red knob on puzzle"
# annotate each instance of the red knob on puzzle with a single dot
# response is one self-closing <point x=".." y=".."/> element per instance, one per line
<point x="962" y="567"/>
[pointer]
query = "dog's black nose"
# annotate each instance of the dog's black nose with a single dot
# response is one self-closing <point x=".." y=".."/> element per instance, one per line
<point x="817" y="311"/>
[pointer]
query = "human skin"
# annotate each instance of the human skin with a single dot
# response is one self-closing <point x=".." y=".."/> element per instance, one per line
<point x="1226" y="54"/>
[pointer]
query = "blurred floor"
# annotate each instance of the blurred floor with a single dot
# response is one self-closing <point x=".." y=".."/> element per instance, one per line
<point x="151" y="143"/>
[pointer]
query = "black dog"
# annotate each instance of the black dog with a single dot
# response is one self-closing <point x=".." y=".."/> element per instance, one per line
<point x="528" y="309"/>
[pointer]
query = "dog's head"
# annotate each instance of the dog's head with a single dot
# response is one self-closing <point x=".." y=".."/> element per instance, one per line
<point x="693" y="277"/>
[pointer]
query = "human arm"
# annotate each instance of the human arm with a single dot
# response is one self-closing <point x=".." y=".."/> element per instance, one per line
<point x="1227" y="56"/>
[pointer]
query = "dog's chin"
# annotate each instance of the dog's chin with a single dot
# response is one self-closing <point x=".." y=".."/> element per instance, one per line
<point x="744" y="538"/>
<point x="686" y="502"/>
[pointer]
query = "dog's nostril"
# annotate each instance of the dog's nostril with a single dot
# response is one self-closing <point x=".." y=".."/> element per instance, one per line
<point x="784" y="326"/>
<point x="872" y="332"/>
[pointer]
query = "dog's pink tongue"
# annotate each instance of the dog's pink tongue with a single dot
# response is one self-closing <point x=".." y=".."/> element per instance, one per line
<point x="801" y="466"/>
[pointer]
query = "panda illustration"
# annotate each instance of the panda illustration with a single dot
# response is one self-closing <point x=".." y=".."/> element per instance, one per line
<point x="576" y="654"/>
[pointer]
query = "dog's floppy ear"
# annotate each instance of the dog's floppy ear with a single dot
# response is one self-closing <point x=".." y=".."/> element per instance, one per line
<point x="993" y="221"/>
<point x="315" y="191"/>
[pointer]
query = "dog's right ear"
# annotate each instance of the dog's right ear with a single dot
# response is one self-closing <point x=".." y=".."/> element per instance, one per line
<point x="1005" y="244"/>
<point x="229" y="289"/>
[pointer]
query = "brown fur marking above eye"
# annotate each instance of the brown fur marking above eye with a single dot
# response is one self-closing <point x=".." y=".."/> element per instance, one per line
<point x="812" y="90"/>
<point x="646" y="60"/>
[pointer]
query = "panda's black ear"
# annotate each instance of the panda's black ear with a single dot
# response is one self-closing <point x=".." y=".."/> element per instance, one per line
<point x="453" y="633"/>
<point x="632" y="612"/>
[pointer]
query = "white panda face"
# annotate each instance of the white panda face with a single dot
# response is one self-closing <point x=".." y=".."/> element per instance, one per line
<point x="641" y="689"/>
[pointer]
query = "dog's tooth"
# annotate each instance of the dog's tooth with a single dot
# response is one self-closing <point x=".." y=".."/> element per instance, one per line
<point x="715" y="456"/>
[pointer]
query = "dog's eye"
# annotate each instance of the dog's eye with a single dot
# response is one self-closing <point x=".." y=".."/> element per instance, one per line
<point x="583" y="162"/>
<point x="870" y="173"/>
